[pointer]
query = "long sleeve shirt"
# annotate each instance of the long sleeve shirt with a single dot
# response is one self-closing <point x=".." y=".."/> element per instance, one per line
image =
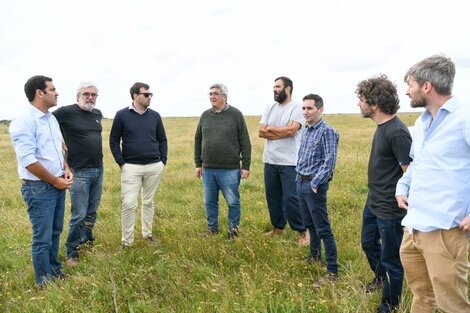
<point x="222" y="140"/>
<point x="36" y="138"/>
<point x="317" y="153"/>
<point x="142" y="136"/>
<point x="437" y="182"/>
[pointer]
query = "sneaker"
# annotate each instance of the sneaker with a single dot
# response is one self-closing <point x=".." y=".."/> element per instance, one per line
<point x="328" y="277"/>
<point x="304" y="239"/>
<point x="376" y="284"/>
<point x="150" y="242"/>
<point x="208" y="233"/>
<point x="71" y="262"/>
<point x="232" y="234"/>
<point x="274" y="232"/>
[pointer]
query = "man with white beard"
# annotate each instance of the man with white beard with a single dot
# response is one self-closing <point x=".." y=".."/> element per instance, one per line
<point x="81" y="128"/>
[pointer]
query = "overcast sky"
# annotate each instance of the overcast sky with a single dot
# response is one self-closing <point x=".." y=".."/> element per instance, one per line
<point x="180" y="47"/>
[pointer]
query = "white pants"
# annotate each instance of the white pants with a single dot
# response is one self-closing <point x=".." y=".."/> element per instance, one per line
<point x="134" y="178"/>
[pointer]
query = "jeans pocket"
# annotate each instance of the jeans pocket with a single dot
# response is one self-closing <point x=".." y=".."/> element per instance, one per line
<point x="35" y="189"/>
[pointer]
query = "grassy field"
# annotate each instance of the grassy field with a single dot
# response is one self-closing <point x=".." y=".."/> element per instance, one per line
<point x="186" y="273"/>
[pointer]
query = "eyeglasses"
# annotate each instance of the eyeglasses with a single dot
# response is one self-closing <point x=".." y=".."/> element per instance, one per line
<point x="88" y="94"/>
<point x="146" y="94"/>
<point x="210" y="94"/>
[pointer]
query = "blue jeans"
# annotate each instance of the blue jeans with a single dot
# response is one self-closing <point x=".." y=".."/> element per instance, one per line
<point x="315" y="217"/>
<point x="281" y="196"/>
<point x="85" y="195"/>
<point x="381" y="240"/>
<point x="46" y="214"/>
<point x="227" y="181"/>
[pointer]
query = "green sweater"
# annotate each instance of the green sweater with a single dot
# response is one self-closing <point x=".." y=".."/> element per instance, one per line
<point x="222" y="140"/>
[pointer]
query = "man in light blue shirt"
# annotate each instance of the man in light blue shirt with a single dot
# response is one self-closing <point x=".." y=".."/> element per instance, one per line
<point x="44" y="175"/>
<point x="436" y="191"/>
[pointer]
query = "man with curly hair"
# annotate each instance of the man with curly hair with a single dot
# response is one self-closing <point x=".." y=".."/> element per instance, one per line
<point x="381" y="219"/>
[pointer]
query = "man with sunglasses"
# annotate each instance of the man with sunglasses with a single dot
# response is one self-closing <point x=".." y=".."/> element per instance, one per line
<point x="139" y="145"/>
<point x="81" y="128"/>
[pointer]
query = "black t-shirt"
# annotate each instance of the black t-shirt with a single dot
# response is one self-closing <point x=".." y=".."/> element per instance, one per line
<point x="390" y="149"/>
<point x="82" y="134"/>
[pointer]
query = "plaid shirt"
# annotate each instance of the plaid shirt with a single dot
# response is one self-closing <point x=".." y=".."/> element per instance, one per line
<point x="317" y="153"/>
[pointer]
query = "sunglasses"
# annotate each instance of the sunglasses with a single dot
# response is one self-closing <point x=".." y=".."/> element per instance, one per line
<point x="146" y="94"/>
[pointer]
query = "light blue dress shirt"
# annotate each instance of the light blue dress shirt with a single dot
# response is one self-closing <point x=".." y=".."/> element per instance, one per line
<point x="36" y="137"/>
<point x="437" y="182"/>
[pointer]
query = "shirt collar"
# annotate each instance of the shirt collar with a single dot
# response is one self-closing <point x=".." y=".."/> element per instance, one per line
<point x="131" y="107"/>
<point x="317" y="124"/>
<point x="449" y="106"/>
<point x="225" y="108"/>
<point x="38" y="113"/>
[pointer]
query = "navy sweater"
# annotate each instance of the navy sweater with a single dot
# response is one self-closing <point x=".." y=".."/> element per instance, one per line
<point x="142" y="136"/>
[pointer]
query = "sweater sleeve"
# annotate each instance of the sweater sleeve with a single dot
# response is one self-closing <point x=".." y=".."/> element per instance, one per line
<point x="245" y="143"/>
<point x="198" y="143"/>
<point x="162" y="140"/>
<point x="115" y="140"/>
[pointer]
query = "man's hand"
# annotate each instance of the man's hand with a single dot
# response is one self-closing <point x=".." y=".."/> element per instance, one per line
<point x="68" y="175"/>
<point x="402" y="202"/>
<point x="62" y="183"/>
<point x="465" y="224"/>
<point x="198" y="172"/>
<point x="244" y="174"/>
<point x="315" y="190"/>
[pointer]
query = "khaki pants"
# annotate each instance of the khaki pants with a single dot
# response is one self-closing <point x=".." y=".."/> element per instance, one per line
<point x="136" y="178"/>
<point x="436" y="270"/>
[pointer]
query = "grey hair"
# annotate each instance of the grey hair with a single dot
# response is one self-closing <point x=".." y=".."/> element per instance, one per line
<point x="221" y="87"/>
<point x="84" y="85"/>
<point x="439" y="70"/>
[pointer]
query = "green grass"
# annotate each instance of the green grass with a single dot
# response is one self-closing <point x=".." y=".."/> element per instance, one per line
<point x="186" y="273"/>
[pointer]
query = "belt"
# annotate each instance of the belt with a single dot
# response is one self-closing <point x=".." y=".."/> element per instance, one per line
<point x="304" y="177"/>
<point x="25" y="181"/>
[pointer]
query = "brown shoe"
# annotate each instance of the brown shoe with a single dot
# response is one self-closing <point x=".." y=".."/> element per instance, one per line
<point x="274" y="232"/>
<point x="71" y="262"/>
<point x="330" y="277"/>
<point x="304" y="239"/>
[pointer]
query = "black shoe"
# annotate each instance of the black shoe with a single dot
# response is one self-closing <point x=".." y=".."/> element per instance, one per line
<point x="329" y="277"/>
<point x="208" y="233"/>
<point x="150" y="242"/>
<point x="376" y="284"/>
<point x="62" y="276"/>
<point x="232" y="233"/>
<point x="312" y="260"/>
<point x="394" y="309"/>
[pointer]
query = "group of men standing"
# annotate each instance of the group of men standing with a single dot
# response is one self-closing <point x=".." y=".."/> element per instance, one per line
<point x="138" y="143"/>
<point x="420" y="183"/>
<point x="222" y="142"/>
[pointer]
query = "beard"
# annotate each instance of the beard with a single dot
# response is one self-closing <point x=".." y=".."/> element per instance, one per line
<point x="418" y="103"/>
<point x="281" y="97"/>
<point x="366" y="114"/>
<point x="87" y="106"/>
